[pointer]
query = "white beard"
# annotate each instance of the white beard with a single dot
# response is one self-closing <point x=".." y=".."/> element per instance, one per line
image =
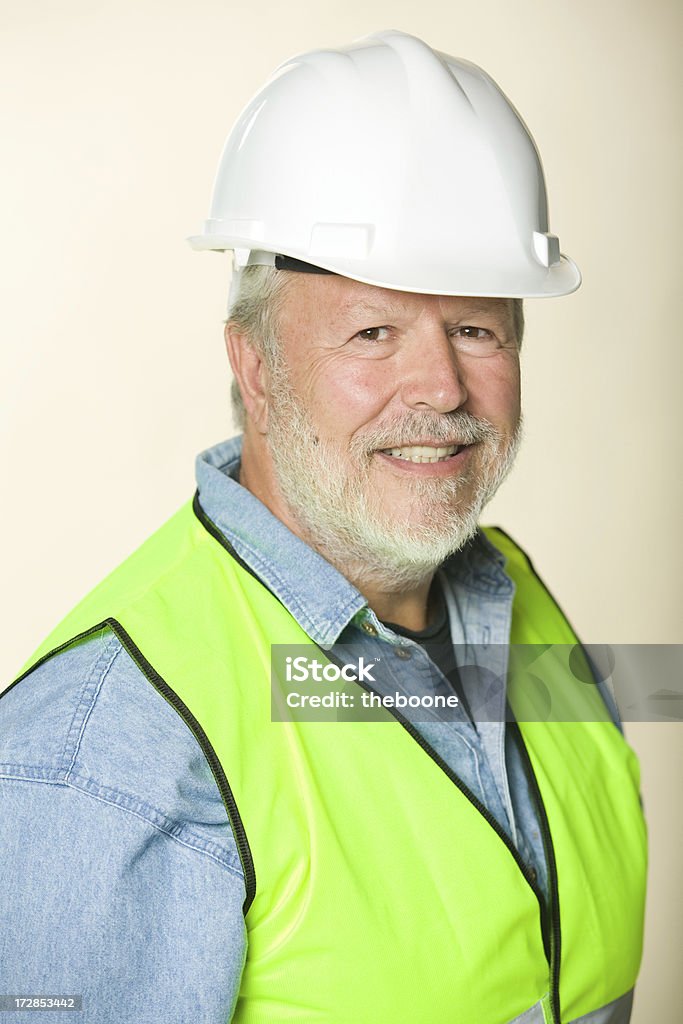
<point x="331" y="495"/>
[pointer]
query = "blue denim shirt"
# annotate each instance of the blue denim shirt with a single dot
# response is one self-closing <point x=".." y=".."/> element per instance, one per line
<point x="121" y="878"/>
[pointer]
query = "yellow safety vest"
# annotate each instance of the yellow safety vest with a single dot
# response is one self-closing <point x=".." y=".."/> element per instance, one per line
<point x="378" y="889"/>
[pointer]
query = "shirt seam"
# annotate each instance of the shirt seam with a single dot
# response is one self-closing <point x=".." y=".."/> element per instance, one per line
<point x="86" y="701"/>
<point x="63" y="774"/>
<point x="180" y="833"/>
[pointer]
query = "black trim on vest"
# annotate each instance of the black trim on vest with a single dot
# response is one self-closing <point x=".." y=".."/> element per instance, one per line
<point x="429" y="750"/>
<point x="193" y="725"/>
<point x="483" y="810"/>
<point x="215" y="765"/>
<point x="216" y="533"/>
<point x="554" y="892"/>
<point x="55" y="650"/>
<point x="553" y="886"/>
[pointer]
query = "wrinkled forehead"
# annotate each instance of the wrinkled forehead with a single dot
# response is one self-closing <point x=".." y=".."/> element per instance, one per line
<point x="336" y="300"/>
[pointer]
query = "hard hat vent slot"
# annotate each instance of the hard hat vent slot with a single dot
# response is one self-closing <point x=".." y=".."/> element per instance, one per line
<point x="348" y="241"/>
<point x="547" y="248"/>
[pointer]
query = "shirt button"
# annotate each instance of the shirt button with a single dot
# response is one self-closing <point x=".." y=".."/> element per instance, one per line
<point x="368" y="628"/>
<point x="403" y="652"/>
<point x="533" y="875"/>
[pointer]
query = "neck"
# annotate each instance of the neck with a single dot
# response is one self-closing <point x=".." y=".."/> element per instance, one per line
<point x="411" y="609"/>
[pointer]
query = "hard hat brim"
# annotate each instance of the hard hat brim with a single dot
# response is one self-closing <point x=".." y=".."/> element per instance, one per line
<point x="532" y="282"/>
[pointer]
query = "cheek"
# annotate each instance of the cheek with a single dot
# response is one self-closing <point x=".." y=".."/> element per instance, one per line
<point x="494" y="391"/>
<point x="348" y="396"/>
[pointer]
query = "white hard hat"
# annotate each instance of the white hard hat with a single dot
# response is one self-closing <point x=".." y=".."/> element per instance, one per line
<point x="393" y="164"/>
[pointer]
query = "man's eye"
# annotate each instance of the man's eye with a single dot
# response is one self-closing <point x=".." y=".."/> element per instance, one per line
<point x="475" y="341"/>
<point x="373" y="334"/>
<point x="474" y="333"/>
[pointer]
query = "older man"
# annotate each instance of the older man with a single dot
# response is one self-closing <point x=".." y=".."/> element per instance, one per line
<point x="184" y="842"/>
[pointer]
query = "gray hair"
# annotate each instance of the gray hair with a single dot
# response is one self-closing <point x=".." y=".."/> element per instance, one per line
<point x="256" y="302"/>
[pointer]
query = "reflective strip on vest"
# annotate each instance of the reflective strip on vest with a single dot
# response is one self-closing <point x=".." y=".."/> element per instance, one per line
<point x="378" y="891"/>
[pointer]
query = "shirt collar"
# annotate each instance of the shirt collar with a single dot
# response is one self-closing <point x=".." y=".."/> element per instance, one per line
<point x="321" y="600"/>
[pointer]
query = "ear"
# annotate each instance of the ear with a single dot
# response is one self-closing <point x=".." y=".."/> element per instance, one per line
<point x="251" y="375"/>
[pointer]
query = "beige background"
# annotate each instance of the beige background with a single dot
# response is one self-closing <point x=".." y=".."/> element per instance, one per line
<point x="113" y="374"/>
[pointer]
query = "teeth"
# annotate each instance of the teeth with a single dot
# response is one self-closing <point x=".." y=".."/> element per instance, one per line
<point x="423" y="453"/>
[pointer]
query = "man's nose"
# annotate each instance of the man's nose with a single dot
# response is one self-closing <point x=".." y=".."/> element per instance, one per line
<point x="432" y="375"/>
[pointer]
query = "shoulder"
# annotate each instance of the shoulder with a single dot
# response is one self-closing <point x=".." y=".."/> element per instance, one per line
<point x="88" y="718"/>
<point x="37" y="712"/>
<point x="538" y="619"/>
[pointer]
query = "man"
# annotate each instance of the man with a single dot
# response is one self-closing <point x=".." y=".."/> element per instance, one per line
<point x="184" y="842"/>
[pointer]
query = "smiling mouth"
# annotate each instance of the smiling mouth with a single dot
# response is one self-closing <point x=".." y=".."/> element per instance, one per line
<point x="424" y="453"/>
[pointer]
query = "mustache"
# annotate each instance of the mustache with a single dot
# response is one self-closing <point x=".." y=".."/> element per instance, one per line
<point x="457" y="427"/>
